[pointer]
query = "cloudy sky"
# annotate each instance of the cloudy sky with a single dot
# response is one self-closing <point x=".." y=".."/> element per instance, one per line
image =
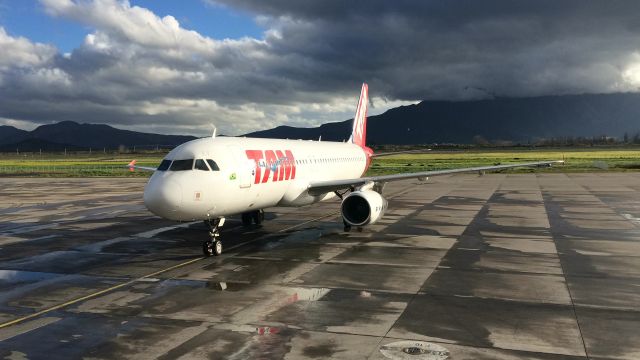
<point x="175" y="67"/>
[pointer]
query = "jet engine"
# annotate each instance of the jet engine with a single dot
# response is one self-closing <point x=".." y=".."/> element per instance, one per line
<point x="363" y="207"/>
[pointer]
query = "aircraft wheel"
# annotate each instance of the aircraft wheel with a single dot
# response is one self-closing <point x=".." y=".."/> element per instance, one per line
<point x="210" y="248"/>
<point x="347" y="226"/>
<point x="246" y="218"/>
<point x="257" y="216"/>
<point x="207" y="248"/>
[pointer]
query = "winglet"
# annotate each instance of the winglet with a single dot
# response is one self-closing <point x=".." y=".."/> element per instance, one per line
<point x="359" y="131"/>
<point x="132" y="165"/>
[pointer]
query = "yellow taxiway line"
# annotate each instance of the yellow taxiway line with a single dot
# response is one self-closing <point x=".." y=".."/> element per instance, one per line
<point x="97" y="293"/>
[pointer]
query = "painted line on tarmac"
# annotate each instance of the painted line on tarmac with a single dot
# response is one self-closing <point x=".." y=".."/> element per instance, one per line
<point x="97" y="293"/>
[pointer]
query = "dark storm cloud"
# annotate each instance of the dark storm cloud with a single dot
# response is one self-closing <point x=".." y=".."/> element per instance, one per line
<point x="415" y="50"/>
<point x="136" y="69"/>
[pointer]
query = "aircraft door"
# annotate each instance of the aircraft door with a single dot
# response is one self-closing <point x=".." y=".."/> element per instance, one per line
<point x="245" y="170"/>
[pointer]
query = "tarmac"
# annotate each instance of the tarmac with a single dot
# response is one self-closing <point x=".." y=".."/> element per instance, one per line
<point x="500" y="266"/>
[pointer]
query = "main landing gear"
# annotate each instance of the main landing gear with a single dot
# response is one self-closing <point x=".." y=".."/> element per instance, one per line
<point x="347" y="227"/>
<point x="256" y="217"/>
<point x="213" y="246"/>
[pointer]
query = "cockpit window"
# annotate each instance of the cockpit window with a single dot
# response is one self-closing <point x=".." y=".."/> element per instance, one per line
<point x="164" y="165"/>
<point x="181" y="165"/>
<point x="201" y="165"/>
<point x="213" y="165"/>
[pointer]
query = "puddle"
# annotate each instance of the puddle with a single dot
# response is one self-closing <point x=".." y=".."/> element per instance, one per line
<point x="632" y="218"/>
<point x="270" y="305"/>
<point x="17" y="276"/>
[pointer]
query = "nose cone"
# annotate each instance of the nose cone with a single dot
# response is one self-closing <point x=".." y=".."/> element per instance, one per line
<point x="163" y="197"/>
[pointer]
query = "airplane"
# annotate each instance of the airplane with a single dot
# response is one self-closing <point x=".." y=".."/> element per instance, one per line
<point x="213" y="178"/>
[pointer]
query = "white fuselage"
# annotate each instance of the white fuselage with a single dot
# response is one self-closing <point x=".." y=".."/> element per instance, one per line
<point x="253" y="174"/>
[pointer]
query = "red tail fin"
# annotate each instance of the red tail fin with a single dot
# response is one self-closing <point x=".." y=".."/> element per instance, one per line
<point x="359" y="132"/>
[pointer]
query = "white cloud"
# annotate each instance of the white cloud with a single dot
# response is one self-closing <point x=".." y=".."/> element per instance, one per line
<point x="139" y="71"/>
<point x="20" y="52"/>
<point x="631" y="73"/>
<point x="131" y="24"/>
<point x="20" y="124"/>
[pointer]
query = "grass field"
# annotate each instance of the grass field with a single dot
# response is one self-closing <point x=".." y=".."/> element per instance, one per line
<point x="577" y="160"/>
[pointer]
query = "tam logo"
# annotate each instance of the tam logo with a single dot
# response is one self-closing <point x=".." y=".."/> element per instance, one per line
<point x="281" y="164"/>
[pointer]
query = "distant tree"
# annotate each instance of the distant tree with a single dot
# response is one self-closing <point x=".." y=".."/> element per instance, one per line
<point x="625" y="138"/>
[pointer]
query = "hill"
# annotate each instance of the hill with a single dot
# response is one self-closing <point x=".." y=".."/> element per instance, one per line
<point x="70" y="134"/>
<point x="512" y="119"/>
<point x="10" y="134"/>
<point x="520" y="120"/>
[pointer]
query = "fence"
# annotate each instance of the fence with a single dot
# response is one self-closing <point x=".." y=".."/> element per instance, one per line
<point x="61" y="169"/>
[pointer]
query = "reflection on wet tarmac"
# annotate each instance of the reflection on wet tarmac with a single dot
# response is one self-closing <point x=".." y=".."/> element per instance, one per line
<point x="15" y="276"/>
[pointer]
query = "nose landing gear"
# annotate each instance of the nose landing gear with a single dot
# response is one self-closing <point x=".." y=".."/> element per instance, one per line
<point x="213" y="246"/>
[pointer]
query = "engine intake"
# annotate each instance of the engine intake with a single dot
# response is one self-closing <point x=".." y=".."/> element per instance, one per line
<point x="363" y="207"/>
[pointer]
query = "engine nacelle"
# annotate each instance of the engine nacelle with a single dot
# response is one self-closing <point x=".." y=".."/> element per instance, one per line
<point x="363" y="207"/>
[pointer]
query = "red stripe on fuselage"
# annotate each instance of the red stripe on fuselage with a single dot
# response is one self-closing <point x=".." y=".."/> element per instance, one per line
<point x="270" y="159"/>
<point x="282" y="164"/>
<point x="368" y="152"/>
<point x="279" y="175"/>
<point x="292" y="164"/>
<point x="256" y="156"/>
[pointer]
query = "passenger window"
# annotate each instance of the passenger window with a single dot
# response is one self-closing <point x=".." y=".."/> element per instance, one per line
<point x="164" y="165"/>
<point x="181" y="165"/>
<point x="213" y="165"/>
<point x="201" y="165"/>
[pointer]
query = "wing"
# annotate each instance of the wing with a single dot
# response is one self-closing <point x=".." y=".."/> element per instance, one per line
<point x="323" y="187"/>
<point x="132" y="166"/>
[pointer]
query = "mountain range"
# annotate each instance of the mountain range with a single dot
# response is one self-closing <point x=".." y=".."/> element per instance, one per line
<point x="519" y="120"/>
<point x="74" y="136"/>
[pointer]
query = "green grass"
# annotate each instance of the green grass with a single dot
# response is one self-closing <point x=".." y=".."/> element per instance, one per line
<point x="577" y="160"/>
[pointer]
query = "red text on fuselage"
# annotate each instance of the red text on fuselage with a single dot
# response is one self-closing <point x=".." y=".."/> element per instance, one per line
<point x="281" y="164"/>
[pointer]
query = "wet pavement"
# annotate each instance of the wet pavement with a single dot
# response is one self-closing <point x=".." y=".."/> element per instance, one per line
<point x="532" y="266"/>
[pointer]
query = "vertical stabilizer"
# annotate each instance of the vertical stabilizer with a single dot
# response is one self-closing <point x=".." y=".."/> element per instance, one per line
<point x="359" y="132"/>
